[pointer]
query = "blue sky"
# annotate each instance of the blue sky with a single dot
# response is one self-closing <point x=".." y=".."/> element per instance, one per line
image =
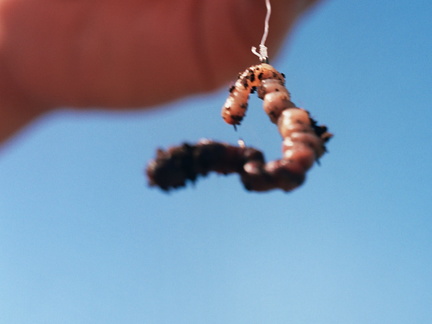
<point x="84" y="240"/>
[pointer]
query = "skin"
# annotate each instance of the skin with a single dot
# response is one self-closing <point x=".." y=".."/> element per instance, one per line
<point x="127" y="54"/>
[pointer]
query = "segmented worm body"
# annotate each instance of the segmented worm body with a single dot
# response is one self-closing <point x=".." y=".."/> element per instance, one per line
<point x="303" y="141"/>
<point x="261" y="77"/>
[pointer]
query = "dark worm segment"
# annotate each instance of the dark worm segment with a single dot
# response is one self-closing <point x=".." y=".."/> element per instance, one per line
<point x="174" y="167"/>
<point x="303" y="141"/>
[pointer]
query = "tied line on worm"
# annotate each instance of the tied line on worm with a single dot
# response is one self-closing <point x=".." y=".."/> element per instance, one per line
<point x="303" y="140"/>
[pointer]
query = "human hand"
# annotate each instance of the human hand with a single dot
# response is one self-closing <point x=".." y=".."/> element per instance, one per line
<point x="125" y="54"/>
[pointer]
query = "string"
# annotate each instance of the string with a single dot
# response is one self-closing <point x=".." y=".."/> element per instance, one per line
<point x="262" y="54"/>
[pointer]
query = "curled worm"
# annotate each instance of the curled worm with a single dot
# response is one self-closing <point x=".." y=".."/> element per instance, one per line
<point x="303" y="141"/>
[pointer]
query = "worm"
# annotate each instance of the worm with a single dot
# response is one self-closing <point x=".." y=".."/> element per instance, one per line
<point x="303" y="141"/>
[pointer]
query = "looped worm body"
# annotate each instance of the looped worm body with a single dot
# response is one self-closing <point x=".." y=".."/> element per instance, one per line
<point x="303" y="141"/>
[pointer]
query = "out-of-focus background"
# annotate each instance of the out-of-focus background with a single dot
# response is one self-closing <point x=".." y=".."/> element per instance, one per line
<point x="84" y="240"/>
